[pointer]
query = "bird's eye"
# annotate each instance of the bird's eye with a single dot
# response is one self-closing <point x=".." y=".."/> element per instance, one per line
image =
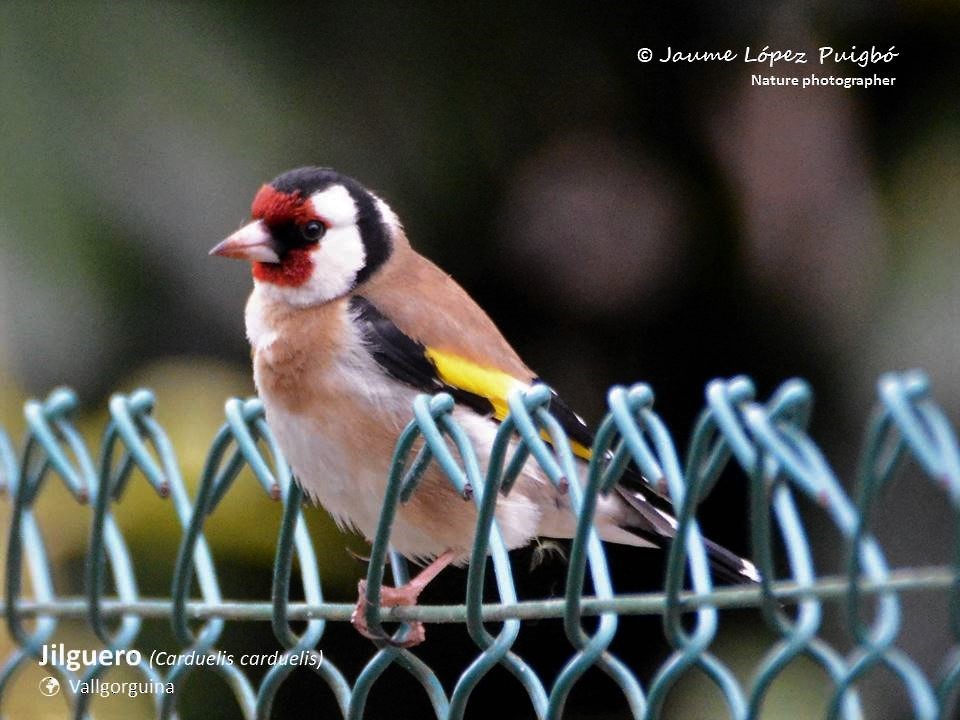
<point x="313" y="230"/>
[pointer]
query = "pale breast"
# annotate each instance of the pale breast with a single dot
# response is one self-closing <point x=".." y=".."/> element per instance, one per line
<point x="337" y="418"/>
<point x="322" y="402"/>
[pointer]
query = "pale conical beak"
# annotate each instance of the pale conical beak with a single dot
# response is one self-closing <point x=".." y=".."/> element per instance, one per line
<point x="251" y="242"/>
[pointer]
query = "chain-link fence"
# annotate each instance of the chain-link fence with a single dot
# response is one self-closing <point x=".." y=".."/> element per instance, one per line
<point x="767" y="441"/>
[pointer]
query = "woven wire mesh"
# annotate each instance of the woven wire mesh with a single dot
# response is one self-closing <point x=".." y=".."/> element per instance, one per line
<point x="767" y="441"/>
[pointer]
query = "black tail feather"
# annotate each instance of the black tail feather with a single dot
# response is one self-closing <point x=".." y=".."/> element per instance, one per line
<point x="656" y="525"/>
<point x="730" y="567"/>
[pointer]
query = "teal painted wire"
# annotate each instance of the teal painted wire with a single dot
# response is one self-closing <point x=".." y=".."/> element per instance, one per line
<point x="597" y="478"/>
<point x="107" y="544"/>
<point x="726" y="402"/>
<point x="877" y="639"/>
<point x="430" y="415"/>
<point x="426" y="411"/>
<point x="932" y="579"/>
<point x="245" y="420"/>
<point x="404" y="658"/>
<point x="24" y="533"/>
<point x="906" y="420"/>
<point x="802" y="461"/>
<point x="38" y="416"/>
<point x="522" y="405"/>
<point x="554" y="464"/>
<point x="488" y="540"/>
<point x="768" y="441"/>
<point x="193" y="558"/>
<point x="531" y="418"/>
<point x="97" y="555"/>
<point x="946" y="472"/>
<point x="932" y="443"/>
<point x="687" y="552"/>
<point x="927" y="432"/>
<point x="381" y="542"/>
<point x="136" y="429"/>
<point x="378" y="555"/>
<point x="42" y="452"/>
<point x="293" y="535"/>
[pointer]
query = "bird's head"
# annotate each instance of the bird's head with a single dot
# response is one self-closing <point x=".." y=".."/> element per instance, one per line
<point x="314" y="236"/>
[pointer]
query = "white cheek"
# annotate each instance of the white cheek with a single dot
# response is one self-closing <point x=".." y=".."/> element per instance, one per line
<point x="336" y="261"/>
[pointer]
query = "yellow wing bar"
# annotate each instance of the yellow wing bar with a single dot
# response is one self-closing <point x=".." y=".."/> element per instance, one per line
<point x="489" y="383"/>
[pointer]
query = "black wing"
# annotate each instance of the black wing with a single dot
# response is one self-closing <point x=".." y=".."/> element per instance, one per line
<point x="484" y="390"/>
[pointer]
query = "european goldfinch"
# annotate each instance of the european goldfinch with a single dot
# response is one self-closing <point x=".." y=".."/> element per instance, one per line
<point x="347" y="324"/>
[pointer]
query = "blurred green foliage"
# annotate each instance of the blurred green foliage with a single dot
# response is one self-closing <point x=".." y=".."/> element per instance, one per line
<point x="664" y="223"/>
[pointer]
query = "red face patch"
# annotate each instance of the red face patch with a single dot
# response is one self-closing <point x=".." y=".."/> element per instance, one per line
<point x="275" y="207"/>
<point x="293" y="271"/>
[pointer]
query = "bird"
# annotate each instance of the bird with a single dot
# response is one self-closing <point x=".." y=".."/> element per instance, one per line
<point x="347" y="324"/>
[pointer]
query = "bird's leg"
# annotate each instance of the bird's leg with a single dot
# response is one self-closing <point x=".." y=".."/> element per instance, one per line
<point x="407" y="594"/>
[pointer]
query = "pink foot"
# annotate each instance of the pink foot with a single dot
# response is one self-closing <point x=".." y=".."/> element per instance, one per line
<point x="405" y="595"/>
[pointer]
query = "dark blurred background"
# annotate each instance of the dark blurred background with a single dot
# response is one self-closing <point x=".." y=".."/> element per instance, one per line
<point x="620" y="221"/>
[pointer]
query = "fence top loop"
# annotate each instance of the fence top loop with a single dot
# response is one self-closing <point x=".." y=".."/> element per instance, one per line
<point x="44" y="422"/>
<point x="767" y="440"/>
<point x="523" y="405"/>
<point x="127" y="413"/>
<point x="242" y="417"/>
<point x="430" y="414"/>
<point x="625" y="405"/>
<point x="931" y="439"/>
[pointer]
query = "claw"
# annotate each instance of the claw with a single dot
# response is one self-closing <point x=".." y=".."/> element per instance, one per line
<point x="405" y="595"/>
<point x="389" y="597"/>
